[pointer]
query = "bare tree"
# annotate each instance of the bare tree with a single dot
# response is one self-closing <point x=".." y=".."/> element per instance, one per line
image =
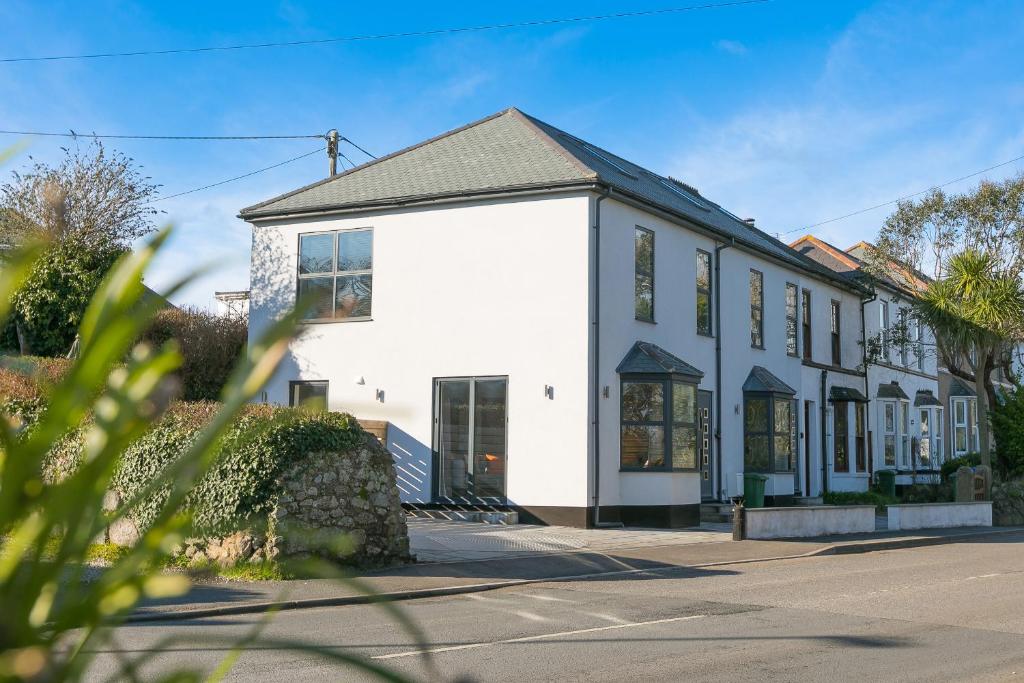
<point x="93" y="196"/>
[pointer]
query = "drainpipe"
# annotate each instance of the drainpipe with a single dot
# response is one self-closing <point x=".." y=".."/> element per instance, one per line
<point x="824" y="438"/>
<point x="597" y="361"/>
<point x="718" y="367"/>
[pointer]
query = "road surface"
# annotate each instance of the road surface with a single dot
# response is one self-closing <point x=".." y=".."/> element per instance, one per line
<point x="940" y="613"/>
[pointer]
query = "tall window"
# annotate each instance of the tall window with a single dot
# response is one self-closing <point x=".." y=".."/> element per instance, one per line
<point x="840" y="436"/>
<point x="703" y="293"/>
<point x="918" y="336"/>
<point x="924" y="448"/>
<point x="904" y="333"/>
<point x="336" y="274"/>
<point x="959" y="412"/>
<point x="791" y="322"/>
<point x="659" y="425"/>
<point x="859" y="435"/>
<point x="837" y="349"/>
<point x="643" y="242"/>
<point x="756" y="309"/>
<point x="883" y="328"/>
<point x="308" y="394"/>
<point x="805" y="320"/>
<point x="769" y="433"/>
<point x="905" y="434"/>
<point x="889" y="432"/>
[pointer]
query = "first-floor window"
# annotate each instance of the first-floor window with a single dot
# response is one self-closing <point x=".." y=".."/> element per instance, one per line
<point x="659" y="425"/>
<point x="889" y="433"/>
<point x="336" y="274"/>
<point x="840" y="436"/>
<point x="308" y="395"/>
<point x="769" y="433"/>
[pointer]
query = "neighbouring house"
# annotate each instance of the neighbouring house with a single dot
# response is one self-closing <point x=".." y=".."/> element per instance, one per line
<point x="904" y="416"/>
<point x="549" y="328"/>
<point x="233" y="303"/>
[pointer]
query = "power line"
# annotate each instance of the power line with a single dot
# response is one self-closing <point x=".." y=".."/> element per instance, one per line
<point x="358" y="147"/>
<point x="231" y="180"/>
<point x="387" y="36"/>
<point x="73" y="134"/>
<point x="904" y="197"/>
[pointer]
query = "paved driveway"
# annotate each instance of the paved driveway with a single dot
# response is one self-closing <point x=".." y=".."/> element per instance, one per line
<point x="435" y="540"/>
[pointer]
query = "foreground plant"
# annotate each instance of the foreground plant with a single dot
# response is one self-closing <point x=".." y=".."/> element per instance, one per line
<point x="51" y="619"/>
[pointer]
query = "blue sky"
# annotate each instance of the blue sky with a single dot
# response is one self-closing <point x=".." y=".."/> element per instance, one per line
<point x="791" y="112"/>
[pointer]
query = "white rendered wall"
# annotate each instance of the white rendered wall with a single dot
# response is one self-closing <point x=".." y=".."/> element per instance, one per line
<point x="476" y="289"/>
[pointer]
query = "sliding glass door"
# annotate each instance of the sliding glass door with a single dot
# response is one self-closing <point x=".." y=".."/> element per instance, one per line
<point x="470" y="420"/>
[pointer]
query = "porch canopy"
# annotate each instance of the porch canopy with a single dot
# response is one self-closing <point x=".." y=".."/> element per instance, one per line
<point x="844" y="394"/>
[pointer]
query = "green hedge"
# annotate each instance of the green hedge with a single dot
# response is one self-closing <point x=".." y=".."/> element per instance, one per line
<point x="950" y="467"/>
<point x="240" y="487"/>
<point x="858" y="498"/>
<point x="1008" y="432"/>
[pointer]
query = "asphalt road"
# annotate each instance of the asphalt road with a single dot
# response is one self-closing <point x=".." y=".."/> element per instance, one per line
<point x="950" y="612"/>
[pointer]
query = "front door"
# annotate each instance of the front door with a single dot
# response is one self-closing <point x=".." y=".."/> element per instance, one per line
<point x="704" y="445"/>
<point x="470" y="425"/>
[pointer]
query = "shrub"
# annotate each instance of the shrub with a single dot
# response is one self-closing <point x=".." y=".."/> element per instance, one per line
<point x="29" y="378"/>
<point x="210" y="345"/>
<point x="950" y="467"/>
<point x="49" y="307"/>
<point x="240" y="487"/>
<point x="1008" y="503"/>
<point x="1008" y="431"/>
<point x="927" y="493"/>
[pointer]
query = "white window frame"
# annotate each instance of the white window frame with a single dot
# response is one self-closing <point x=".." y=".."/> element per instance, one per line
<point x="904" y="434"/>
<point x="883" y="324"/>
<point x="955" y="424"/>
<point x="888" y="433"/>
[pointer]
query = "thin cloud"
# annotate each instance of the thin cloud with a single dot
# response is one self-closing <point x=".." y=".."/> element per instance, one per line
<point x="733" y="47"/>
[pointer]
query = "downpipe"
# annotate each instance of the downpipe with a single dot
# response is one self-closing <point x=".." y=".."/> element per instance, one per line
<point x="596" y="379"/>
<point x="717" y="294"/>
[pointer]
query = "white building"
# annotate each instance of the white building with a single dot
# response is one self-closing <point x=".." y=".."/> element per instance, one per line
<point x="549" y="327"/>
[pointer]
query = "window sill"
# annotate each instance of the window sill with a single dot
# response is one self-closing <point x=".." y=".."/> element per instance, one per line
<point x="645" y="320"/>
<point x="705" y="334"/>
<point x="757" y="348"/>
<point x="328" y="321"/>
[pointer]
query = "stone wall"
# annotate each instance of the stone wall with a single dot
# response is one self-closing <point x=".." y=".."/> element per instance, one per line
<point x="1008" y="503"/>
<point x="343" y="506"/>
<point x="354" y="493"/>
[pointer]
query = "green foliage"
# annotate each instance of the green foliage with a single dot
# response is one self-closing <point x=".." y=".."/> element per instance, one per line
<point x="210" y="345"/>
<point x="879" y="500"/>
<point x="1008" y="430"/>
<point x="950" y="467"/>
<point x="49" y="307"/>
<point x="238" y="490"/>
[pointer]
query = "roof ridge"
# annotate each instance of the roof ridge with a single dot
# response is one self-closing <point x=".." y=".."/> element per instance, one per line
<point x="378" y="160"/>
<point x="543" y="136"/>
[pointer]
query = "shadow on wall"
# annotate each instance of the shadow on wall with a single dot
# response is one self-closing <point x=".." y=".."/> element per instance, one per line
<point x="412" y="465"/>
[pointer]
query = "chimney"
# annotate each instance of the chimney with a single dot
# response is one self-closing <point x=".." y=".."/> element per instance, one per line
<point x="749" y="221"/>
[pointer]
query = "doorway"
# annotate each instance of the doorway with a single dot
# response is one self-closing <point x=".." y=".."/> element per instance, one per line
<point x="704" y="444"/>
<point x="470" y="438"/>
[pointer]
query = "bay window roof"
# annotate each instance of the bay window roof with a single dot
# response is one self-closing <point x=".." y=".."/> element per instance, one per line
<point x="645" y="358"/>
<point x="761" y="381"/>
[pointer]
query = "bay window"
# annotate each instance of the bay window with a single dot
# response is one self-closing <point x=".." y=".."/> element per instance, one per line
<point x="659" y="424"/>
<point x="769" y="433"/>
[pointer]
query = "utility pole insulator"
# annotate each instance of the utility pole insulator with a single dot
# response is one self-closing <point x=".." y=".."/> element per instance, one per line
<point x="332" y="151"/>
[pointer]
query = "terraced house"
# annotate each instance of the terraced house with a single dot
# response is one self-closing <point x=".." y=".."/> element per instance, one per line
<point x="549" y="328"/>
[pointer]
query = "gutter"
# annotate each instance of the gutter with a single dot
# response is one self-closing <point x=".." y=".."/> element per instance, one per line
<point x="597" y="363"/>
<point x="718" y="366"/>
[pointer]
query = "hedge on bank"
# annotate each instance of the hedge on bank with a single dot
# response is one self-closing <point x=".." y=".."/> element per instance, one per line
<point x="240" y="489"/>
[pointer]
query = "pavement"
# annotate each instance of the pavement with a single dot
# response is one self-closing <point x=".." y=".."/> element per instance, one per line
<point x="945" y="612"/>
<point x="473" y="558"/>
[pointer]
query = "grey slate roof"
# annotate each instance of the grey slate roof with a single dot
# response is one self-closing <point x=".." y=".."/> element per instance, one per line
<point x="645" y="358"/>
<point x="761" y="380"/>
<point x="508" y="152"/>
<point x="958" y="388"/>
<point x="926" y="398"/>
<point x="839" y="394"/>
<point x="892" y="390"/>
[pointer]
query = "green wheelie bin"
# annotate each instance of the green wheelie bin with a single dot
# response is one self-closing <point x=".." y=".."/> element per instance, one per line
<point x="886" y="481"/>
<point x="753" y="489"/>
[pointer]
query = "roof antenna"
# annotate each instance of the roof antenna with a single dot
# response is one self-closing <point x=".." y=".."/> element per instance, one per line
<point x="332" y="151"/>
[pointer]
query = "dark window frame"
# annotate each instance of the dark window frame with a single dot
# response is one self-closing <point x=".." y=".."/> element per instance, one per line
<point x="792" y="320"/>
<point x="773" y="431"/>
<point x="295" y="384"/>
<point x="667" y="423"/>
<point x="841" y="409"/>
<point x="836" y="331"/>
<point x="860" y="436"/>
<point x="706" y="292"/>
<point x="334" y="274"/>
<point x="638" y="273"/>
<point x="758" y="308"/>
<point x="805" y="323"/>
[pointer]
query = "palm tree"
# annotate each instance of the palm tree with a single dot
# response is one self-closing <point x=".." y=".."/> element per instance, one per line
<point x="975" y="311"/>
